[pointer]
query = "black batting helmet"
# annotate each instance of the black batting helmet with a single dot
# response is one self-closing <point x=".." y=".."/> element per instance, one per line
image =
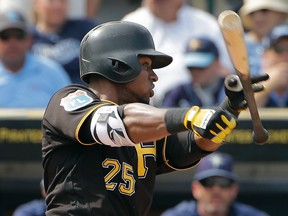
<point x="114" y="45"/>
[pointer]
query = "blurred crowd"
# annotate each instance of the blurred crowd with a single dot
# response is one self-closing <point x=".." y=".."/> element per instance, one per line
<point x="40" y="41"/>
<point x="54" y="29"/>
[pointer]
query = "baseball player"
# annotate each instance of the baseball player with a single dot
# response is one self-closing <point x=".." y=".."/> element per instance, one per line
<point x="103" y="144"/>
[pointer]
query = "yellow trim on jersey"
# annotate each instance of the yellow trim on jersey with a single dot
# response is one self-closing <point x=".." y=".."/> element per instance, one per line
<point x="167" y="161"/>
<point x="85" y="117"/>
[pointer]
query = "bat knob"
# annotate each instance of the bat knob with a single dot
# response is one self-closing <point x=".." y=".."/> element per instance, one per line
<point x="232" y="82"/>
<point x="260" y="138"/>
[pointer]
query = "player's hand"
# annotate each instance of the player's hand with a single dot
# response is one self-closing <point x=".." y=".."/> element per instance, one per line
<point x="213" y="123"/>
<point x="234" y="90"/>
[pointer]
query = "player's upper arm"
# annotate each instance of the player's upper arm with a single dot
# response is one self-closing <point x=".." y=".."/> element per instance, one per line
<point x="106" y="127"/>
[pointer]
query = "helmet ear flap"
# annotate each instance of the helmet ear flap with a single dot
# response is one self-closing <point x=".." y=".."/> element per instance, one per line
<point x="120" y="67"/>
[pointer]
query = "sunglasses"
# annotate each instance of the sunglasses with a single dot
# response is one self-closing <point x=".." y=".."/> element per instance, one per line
<point x="263" y="11"/>
<point x="8" y="34"/>
<point x="280" y="49"/>
<point x="195" y="69"/>
<point x="217" y="181"/>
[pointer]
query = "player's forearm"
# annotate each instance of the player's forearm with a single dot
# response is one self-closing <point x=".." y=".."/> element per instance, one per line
<point x="206" y="144"/>
<point x="144" y="123"/>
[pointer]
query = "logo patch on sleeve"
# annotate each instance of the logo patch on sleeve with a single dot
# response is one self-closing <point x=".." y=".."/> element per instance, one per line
<point x="75" y="100"/>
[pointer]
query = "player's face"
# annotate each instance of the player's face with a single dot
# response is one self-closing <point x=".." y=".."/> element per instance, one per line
<point x="140" y="89"/>
<point x="13" y="46"/>
<point x="214" y="198"/>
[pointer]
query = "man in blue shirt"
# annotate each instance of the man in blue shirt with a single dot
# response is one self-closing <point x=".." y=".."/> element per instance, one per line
<point x="57" y="37"/>
<point x="205" y="88"/>
<point x="215" y="189"/>
<point x="275" y="63"/>
<point x="26" y="81"/>
<point x="35" y="207"/>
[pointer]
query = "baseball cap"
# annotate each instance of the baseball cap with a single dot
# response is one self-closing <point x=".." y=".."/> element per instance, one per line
<point x="278" y="32"/>
<point x="12" y="19"/>
<point x="250" y="6"/>
<point x="215" y="164"/>
<point x="200" y="53"/>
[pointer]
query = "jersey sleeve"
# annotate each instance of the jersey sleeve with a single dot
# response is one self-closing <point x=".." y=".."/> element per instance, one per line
<point x="68" y="112"/>
<point x="178" y="152"/>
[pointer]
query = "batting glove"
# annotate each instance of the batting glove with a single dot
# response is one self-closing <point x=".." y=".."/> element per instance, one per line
<point x="214" y="123"/>
<point x="234" y="90"/>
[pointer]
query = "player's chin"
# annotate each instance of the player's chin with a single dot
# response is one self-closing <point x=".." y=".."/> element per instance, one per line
<point x="151" y="93"/>
<point x="142" y="98"/>
<point x="145" y="97"/>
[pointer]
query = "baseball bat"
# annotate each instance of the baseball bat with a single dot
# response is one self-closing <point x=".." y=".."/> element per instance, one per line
<point x="233" y="33"/>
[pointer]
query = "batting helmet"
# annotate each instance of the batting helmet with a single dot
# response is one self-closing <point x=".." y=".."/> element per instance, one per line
<point x="110" y="47"/>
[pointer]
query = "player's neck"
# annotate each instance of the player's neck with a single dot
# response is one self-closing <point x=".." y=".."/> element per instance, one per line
<point x="104" y="91"/>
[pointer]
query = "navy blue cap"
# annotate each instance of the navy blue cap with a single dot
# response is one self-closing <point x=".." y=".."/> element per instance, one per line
<point x="200" y="53"/>
<point x="278" y="32"/>
<point x="215" y="164"/>
<point x="10" y="19"/>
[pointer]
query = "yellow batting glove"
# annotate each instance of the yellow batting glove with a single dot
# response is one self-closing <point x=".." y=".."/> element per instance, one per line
<point x="211" y="123"/>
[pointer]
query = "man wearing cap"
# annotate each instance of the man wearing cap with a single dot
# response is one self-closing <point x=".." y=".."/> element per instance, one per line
<point x="275" y="63"/>
<point x="36" y="207"/>
<point x="26" y="81"/>
<point x="259" y="17"/>
<point x="215" y="189"/>
<point x="205" y="88"/>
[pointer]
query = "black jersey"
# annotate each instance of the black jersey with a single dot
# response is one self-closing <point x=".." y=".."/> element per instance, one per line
<point x="83" y="177"/>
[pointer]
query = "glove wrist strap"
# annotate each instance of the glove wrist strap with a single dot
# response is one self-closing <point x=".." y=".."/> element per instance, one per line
<point x="174" y="119"/>
<point x="190" y="116"/>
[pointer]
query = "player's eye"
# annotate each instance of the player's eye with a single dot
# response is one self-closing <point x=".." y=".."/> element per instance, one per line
<point x="145" y="62"/>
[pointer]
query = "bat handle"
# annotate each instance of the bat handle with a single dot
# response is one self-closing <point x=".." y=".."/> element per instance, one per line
<point x="260" y="134"/>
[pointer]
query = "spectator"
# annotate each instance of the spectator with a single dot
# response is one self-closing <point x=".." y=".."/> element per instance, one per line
<point x="77" y="9"/>
<point x="57" y="37"/>
<point x="205" y="87"/>
<point x="35" y="207"/>
<point x="26" y="81"/>
<point x="23" y="6"/>
<point x="275" y="63"/>
<point x="172" y="23"/>
<point x="84" y="8"/>
<point x="259" y="18"/>
<point x="215" y="190"/>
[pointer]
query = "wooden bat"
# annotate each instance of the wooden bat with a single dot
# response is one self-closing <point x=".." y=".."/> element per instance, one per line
<point x="233" y="33"/>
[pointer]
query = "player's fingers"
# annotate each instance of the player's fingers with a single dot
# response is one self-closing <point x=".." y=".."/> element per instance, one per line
<point x="257" y="87"/>
<point x="259" y="78"/>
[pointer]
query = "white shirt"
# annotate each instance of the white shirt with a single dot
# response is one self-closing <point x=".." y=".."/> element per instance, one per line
<point x="172" y="38"/>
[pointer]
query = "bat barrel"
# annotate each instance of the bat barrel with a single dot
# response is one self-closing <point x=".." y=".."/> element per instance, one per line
<point x="233" y="33"/>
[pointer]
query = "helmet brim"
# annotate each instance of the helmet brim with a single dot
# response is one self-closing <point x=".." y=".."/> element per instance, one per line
<point x="159" y="59"/>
